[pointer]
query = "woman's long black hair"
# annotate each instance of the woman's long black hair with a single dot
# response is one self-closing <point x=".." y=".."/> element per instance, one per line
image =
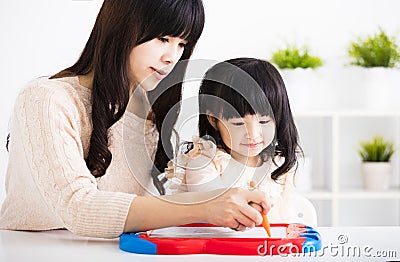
<point x="120" y="26"/>
<point x="245" y="86"/>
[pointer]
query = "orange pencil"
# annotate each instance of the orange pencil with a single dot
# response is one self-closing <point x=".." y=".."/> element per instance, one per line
<point x="265" y="222"/>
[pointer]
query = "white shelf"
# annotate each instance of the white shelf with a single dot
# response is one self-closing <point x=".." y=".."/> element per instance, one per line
<point x="318" y="195"/>
<point x="347" y="113"/>
<point x="355" y="194"/>
<point x="330" y="138"/>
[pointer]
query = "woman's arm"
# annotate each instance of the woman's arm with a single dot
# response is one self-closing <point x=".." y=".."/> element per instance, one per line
<point x="49" y="131"/>
<point x="222" y="207"/>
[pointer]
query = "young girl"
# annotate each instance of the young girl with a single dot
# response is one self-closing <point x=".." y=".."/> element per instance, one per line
<point x="67" y="167"/>
<point x="247" y="136"/>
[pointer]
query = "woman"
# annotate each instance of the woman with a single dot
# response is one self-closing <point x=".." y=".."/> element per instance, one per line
<point x="65" y="129"/>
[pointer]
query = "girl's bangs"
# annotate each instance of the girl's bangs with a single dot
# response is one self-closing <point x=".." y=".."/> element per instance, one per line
<point x="241" y="102"/>
<point x="241" y="90"/>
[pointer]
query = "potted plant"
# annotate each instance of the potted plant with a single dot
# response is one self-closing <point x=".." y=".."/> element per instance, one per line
<point x="378" y="50"/>
<point x="293" y="57"/>
<point x="379" y="56"/>
<point x="300" y="71"/>
<point x="376" y="167"/>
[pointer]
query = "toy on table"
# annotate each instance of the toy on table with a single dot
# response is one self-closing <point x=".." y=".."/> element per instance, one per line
<point x="208" y="239"/>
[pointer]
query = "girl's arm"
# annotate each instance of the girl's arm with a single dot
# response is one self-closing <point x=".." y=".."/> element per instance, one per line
<point x="220" y="207"/>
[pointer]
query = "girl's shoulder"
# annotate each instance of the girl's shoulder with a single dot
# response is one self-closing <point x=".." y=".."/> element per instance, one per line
<point x="203" y="163"/>
<point x="285" y="180"/>
<point x="204" y="154"/>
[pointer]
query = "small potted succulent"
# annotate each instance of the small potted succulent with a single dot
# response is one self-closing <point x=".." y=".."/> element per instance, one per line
<point x="376" y="167"/>
<point x="378" y="56"/>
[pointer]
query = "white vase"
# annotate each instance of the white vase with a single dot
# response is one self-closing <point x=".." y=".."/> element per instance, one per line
<point x="375" y="175"/>
<point x="308" y="89"/>
<point x="382" y="87"/>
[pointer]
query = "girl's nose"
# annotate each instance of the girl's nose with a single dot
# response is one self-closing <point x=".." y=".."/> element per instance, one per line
<point x="253" y="130"/>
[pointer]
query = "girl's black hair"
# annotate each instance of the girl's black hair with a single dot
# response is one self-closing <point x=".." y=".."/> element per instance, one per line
<point x="120" y="26"/>
<point x="243" y="86"/>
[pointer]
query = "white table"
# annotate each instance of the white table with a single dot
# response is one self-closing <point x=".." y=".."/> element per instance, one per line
<point x="60" y="245"/>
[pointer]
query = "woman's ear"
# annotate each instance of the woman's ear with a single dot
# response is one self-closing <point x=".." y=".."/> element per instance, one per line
<point x="213" y="121"/>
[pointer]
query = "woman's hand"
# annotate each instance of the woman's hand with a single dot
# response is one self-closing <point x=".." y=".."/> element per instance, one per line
<point x="221" y="207"/>
<point x="232" y="208"/>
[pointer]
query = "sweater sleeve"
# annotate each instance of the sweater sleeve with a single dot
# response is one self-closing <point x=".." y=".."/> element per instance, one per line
<point x="51" y="123"/>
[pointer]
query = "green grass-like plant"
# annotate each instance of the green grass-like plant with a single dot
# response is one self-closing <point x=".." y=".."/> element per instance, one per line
<point x="293" y="57"/>
<point x="378" y="50"/>
<point x="376" y="150"/>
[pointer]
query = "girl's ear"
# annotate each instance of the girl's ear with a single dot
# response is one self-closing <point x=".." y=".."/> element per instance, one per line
<point x="213" y="121"/>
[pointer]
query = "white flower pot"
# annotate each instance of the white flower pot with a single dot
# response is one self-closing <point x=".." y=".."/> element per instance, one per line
<point x="308" y="89"/>
<point x="375" y="175"/>
<point x="382" y="87"/>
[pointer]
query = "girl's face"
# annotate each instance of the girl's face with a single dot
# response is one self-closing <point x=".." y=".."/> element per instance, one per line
<point x="153" y="60"/>
<point x="246" y="137"/>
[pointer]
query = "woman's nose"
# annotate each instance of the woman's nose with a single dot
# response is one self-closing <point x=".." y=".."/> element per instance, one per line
<point x="171" y="54"/>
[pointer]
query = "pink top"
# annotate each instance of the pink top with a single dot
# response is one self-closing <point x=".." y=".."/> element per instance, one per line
<point x="206" y="168"/>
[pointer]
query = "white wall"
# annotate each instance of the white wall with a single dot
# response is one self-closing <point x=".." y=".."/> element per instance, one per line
<point x="41" y="37"/>
<point x="257" y="27"/>
<point x="38" y="38"/>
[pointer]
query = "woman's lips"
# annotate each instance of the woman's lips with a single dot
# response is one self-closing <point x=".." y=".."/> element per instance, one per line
<point x="159" y="74"/>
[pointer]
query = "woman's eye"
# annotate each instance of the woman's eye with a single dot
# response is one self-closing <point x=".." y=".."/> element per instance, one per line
<point x="163" y="39"/>
<point x="263" y="122"/>
<point x="183" y="45"/>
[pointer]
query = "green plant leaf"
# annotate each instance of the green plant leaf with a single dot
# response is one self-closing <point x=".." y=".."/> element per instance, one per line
<point x="376" y="150"/>
<point x="378" y="50"/>
<point x="293" y="57"/>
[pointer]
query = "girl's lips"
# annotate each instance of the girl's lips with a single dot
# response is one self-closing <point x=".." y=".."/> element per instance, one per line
<point x="253" y="145"/>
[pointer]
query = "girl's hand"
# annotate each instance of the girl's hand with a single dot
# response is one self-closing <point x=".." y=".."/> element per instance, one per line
<point x="232" y="208"/>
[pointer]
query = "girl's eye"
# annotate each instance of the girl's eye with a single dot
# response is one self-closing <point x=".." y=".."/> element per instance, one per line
<point x="183" y="45"/>
<point x="163" y="39"/>
<point x="263" y="122"/>
<point x="237" y="123"/>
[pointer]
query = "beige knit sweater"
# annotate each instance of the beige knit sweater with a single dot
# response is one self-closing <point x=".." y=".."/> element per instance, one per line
<point x="48" y="185"/>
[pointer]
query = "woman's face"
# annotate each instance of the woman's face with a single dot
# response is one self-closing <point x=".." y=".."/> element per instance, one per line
<point x="153" y="60"/>
<point x="246" y="137"/>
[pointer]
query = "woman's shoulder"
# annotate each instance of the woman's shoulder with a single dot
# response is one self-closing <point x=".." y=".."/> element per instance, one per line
<point x="65" y="91"/>
<point x="52" y="99"/>
<point x="41" y="83"/>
